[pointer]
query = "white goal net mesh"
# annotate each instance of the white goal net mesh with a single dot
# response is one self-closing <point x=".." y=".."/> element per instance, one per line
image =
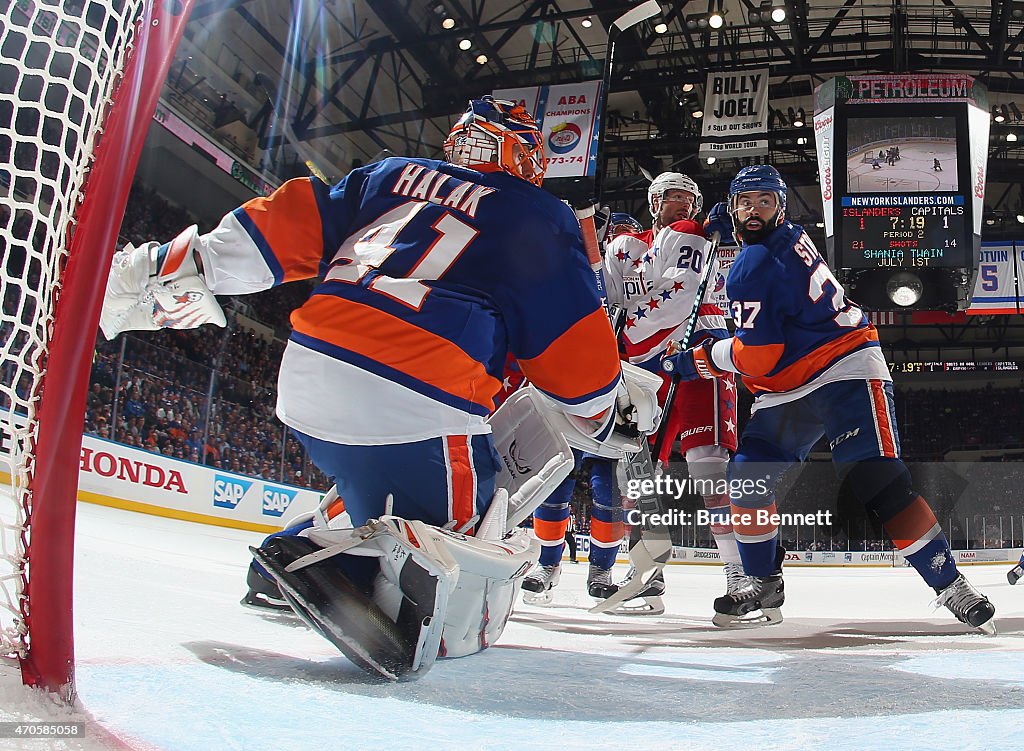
<point x="60" y="61"/>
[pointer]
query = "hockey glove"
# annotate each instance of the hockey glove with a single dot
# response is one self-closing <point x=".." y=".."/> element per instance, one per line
<point x="158" y="286"/>
<point x="693" y="363"/>
<point x="720" y="221"/>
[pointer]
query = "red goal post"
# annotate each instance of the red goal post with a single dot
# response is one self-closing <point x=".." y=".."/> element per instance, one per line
<point x="80" y="82"/>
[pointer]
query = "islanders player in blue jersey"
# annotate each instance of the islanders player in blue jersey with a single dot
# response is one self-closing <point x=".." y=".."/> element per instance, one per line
<point x="813" y="361"/>
<point x="431" y="272"/>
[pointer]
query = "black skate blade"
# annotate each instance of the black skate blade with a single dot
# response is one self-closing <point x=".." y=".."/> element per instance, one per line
<point x="1014" y="574"/>
<point x="334" y="608"/>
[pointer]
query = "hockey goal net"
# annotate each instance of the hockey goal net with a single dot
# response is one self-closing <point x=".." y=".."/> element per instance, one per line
<point x="79" y="80"/>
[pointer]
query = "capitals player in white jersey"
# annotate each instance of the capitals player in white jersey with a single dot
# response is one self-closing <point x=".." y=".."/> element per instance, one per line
<point x="653" y="276"/>
<point x="813" y="361"/>
<point x="431" y="273"/>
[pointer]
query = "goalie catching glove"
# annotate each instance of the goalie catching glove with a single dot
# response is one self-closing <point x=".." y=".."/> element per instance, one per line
<point x="157" y="286"/>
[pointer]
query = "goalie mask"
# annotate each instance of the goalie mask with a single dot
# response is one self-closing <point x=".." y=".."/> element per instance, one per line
<point x="495" y="134"/>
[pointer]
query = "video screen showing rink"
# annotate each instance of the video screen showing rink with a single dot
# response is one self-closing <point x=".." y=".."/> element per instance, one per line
<point x="901" y="155"/>
<point x="169" y="661"/>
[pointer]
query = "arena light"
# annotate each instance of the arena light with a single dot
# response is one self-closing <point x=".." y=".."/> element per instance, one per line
<point x="716" y="20"/>
<point x="465" y="44"/>
<point x="481" y="59"/>
<point x="1011" y="137"/>
<point x="660" y="28"/>
<point x="587" y="22"/>
<point x="698" y="114"/>
<point x="997" y="115"/>
<point x="448" y="23"/>
<point x="904" y="289"/>
<point x="798" y="121"/>
<point x="778" y="14"/>
<point x="687" y="88"/>
<point x="1020" y="218"/>
<point x="711" y="160"/>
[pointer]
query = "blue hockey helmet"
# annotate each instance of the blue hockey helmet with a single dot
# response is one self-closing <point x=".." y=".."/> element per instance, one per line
<point x="758" y="177"/>
<point x="496" y="134"/>
<point x="621" y="222"/>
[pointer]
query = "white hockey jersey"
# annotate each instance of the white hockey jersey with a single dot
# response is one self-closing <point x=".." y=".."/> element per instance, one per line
<point x="654" y="280"/>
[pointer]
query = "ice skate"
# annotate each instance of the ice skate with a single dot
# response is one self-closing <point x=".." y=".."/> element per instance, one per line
<point x="735" y="579"/>
<point x="263" y="595"/>
<point x="648" y="601"/>
<point x="599" y="582"/>
<point x="538" y="585"/>
<point x="968" y="604"/>
<point x="757" y="603"/>
<point x="1015" y="574"/>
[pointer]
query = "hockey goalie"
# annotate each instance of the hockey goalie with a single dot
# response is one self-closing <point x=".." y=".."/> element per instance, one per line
<point x="431" y="272"/>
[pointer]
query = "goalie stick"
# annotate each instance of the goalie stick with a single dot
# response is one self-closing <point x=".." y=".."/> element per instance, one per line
<point x="653" y="549"/>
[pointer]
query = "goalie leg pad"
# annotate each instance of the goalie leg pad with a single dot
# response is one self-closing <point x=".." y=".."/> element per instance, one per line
<point x="489" y="577"/>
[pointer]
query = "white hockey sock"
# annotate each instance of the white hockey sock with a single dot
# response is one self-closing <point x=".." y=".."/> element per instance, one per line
<point x="728" y="550"/>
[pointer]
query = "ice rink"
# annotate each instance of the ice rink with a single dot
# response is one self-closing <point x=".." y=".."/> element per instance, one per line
<point x="168" y="660"/>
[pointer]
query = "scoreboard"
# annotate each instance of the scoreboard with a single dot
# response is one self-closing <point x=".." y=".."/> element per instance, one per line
<point x="954" y="367"/>
<point x="904" y="231"/>
<point x="902" y="162"/>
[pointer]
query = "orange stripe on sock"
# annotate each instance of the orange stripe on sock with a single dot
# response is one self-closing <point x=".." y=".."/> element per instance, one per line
<point x="547" y="531"/>
<point x="608" y="532"/>
<point x="751" y="527"/>
<point x="911" y="524"/>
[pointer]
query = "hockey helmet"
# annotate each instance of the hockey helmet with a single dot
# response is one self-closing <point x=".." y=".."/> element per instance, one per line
<point x="622" y="222"/>
<point x="667" y="181"/>
<point x="496" y="134"/>
<point x="758" y="177"/>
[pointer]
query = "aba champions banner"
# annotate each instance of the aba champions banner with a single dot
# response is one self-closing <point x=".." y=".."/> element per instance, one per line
<point x="735" y="114"/>
<point x="567" y="115"/>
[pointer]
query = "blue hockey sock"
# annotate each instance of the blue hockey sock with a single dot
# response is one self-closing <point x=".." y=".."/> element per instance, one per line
<point x="935" y="563"/>
<point x="551" y="554"/>
<point x="758" y="557"/>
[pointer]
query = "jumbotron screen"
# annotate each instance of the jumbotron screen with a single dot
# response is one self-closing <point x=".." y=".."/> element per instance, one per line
<point x="902" y="206"/>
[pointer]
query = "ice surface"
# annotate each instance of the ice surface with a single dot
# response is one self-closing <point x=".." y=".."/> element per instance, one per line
<point x="167" y="659"/>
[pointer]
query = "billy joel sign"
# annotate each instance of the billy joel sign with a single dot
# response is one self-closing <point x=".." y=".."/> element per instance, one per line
<point x="735" y="114"/>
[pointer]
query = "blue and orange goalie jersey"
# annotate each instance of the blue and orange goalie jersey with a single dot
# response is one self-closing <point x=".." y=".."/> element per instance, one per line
<point x="431" y="273"/>
<point x="795" y="328"/>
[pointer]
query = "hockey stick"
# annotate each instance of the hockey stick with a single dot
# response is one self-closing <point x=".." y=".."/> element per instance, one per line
<point x="585" y="215"/>
<point x="653" y="549"/>
<point x="691" y="326"/>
